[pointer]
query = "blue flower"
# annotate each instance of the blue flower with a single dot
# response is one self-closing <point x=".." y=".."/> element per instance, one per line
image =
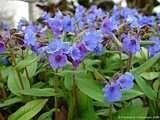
<point x="5" y="60"/>
<point x="21" y="23"/>
<point x="143" y="20"/>
<point x="131" y="43"/>
<point x="106" y="26"/>
<point x="91" y="39"/>
<point x="30" y="35"/>
<point x="68" y="24"/>
<point x="112" y="92"/>
<point x="54" y="45"/>
<point x="98" y="49"/>
<point x="66" y="47"/>
<point x="91" y="18"/>
<point x="57" y="60"/>
<point x="5" y="25"/>
<point x="45" y="16"/>
<point x="75" y="53"/>
<point x="115" y="22"/>
<point x="126" y="81"/>
<point x="79" y="12"/>
<point x="116" y="12"/>
<point x="155" y="48"/>
<point x="56" y="25"/>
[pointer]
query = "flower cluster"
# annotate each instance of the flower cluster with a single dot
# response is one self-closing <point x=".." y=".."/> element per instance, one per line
<point x="112" y="91"/>
<point x="67" y="38"/>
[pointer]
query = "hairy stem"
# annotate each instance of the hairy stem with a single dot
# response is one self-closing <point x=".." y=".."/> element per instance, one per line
<point x="129" y="61"/>
<point x="74" y="94"/>
<point x="110" y="112"/>
<point x="55" y="81"/>
<point x="17" y="72"/>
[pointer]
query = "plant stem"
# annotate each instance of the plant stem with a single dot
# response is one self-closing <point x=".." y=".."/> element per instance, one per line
<point x="27" y="75"/>
<point x="110" y="112"/>
<point x="121" y="62"/>
<point x="129" y="61"/>
<point x="55" y="81"/>
<point x="17" y="72"/>
<point x="25" y="69"/>
<point x="74" y="94"/>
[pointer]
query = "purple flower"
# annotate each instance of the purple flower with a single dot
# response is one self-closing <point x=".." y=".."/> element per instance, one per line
<point x="82" y="48"/>
<point x="68" y="24"/>
<point x="57" y="60"/>
<point x="112" y="92"/>
<point x="56" y="25"/>
<point x="126" y="81"/>
<point x="131" y="43"/>
<point x="2" y="46"/>
<point x="30" y="35"/>
<point x="158" y="28"/>
<point x="75" y="63"/>
<point x="155" y="48"/>
<point x="106" y="26"/>
<point x="91" y="39"/>
<point x="54" y="45"/>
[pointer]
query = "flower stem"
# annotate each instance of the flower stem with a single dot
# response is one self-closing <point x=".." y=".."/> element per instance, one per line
<point x="17" y="72"/>
<point x="55" y="82"/>
<point x="74" y="94"/>
<point x="110" y="112"/>
<point x="129" y="61"/>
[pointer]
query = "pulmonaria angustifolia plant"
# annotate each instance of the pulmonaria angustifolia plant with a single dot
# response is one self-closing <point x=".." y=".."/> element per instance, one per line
<point x="76" y="65"/>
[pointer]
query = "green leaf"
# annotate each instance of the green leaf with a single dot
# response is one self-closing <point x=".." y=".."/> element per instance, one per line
<point x="132" y="112"/>
<point x="45" y="92"/>
<point x="11" y="101"/>
<point x="29" y="110"/>
<point x="13" y="82"/>
<point x="86" y="108"/>
<point x="32" y="69"/>
<point x="49" y="34"/>
<point x="129" y="94"/>
<point x="68" y="82"/>
<point x="29" y="60"/>
<point x="142" y="68"/>
<point x="156" y="85"/>
<point x="144" y="43"/>
<point x="148" y="91"/>
<point x="150" y="75"/>
<point x="26" y="62"/>
<point x="91" y="88"/>
<point x="47" y="115"/>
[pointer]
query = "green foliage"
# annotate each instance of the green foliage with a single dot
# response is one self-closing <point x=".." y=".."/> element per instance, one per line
<point x="29" y="110"/>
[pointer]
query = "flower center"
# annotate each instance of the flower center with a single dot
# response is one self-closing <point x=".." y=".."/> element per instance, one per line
<point x="58" y="58"/>
<point x="133" y="42"/>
